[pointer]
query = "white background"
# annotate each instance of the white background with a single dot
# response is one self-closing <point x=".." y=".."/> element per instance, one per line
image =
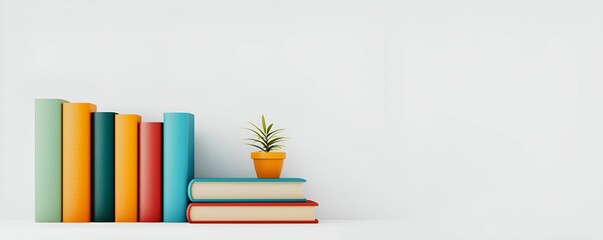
<point x="462" y="118"/>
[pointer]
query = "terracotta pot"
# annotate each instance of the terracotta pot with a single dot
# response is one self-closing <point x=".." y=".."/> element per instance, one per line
<point x="268" y="164"/>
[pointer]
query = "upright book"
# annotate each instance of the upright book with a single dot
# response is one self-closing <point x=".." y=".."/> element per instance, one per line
<point x="48" y="121"/>
<point x="103" y="167"/>
<point x="76" y="161"/>
<point x="246" y="190"/>
<point x="178" y="164"/>
<point x="126" y="167"/>
<point x="252" y="212"/>
<point x="149" y="175"/>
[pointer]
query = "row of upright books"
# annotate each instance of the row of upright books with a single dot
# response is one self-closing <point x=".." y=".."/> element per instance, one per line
<point x="106" y="166"/>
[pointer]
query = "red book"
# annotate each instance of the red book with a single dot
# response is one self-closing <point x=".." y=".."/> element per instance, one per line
<point x="149" y="172"/>
<point x="252" y="212"/>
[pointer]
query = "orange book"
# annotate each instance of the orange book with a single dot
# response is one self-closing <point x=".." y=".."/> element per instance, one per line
<point x="76" y="161"/>
<point x="126" y="167"/>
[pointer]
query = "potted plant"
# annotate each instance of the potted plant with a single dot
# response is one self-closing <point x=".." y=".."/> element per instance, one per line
<point x="268" y="161"/>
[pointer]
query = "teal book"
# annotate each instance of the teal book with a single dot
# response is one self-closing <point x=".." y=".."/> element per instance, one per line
<point x="103" y="166"/>
<point x="48" y="172"/>
<point x="246" y="190"/>
<point x="178" y="164"/>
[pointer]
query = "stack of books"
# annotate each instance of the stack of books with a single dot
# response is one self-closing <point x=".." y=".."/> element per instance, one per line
<point x="110" y="167"/>
<point x="249" y="200"/>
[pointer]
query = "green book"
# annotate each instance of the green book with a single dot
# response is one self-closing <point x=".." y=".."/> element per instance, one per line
<point x="48" y="120"/>
<point x="103" y="166"/>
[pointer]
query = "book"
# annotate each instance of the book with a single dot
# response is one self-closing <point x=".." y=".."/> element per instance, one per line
<point x="126" y="167"/>
<point x="48" y="132"/>
<point x="149" y="175"/>
<point x="246" y="190"/>
<point x="103" y="166"/>
<point x="252" y="212"/>
<point x="178" y="164"/>
<point x="76" y="161"/>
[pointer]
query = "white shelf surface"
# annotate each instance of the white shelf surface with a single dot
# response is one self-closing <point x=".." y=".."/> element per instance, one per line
<point x="326" y="229"/>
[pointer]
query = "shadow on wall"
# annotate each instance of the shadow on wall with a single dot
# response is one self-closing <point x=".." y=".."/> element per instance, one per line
<point x="213" y="159"/>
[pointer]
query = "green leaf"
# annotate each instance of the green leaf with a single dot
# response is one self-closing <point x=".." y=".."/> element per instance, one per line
<point x="275" y="140"/>
<point x="272" y="145"/>
<point x="275" y="147"/>
<point x="259" y="130"/>
<point x="253" y="130"/>
<point x="266" y="136"/>
<point x="258" y="141"/>
<point x="258" y="134"/>
<point x="274" y="132"/>
<point x="261" y="149"/>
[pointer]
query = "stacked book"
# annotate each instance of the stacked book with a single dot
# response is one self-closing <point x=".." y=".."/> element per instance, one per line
<point x="110" y="167"/>
<point x="249" y="200"/>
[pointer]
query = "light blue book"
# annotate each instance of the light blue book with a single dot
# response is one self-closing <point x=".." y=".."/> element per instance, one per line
<point x="178" y="164"/>
<point x="246" y="190"/>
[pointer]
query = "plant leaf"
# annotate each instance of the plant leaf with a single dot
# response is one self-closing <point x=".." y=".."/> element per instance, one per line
<point x="266" y="137"/>
<point x="259" y="130"/>
<point x="274" y="132"/>
<point x="275" y="140"/>
<point x="262" y="149"/>
<point x="258" y="141"/>
<point x="258" y="134"/>
<point x="274" y="144"/>
<point x="253" y="130"/>
<point x="275" y="147"/>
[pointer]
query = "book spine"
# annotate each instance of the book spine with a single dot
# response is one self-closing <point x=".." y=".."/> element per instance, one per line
<point x="150" y="171"/>
<point x="48" y="130"/>
<point x="178" y="164"/>
<point x="126" y="167"/>
<point x="76" y="161"/>
<point x="103" y="167"/>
